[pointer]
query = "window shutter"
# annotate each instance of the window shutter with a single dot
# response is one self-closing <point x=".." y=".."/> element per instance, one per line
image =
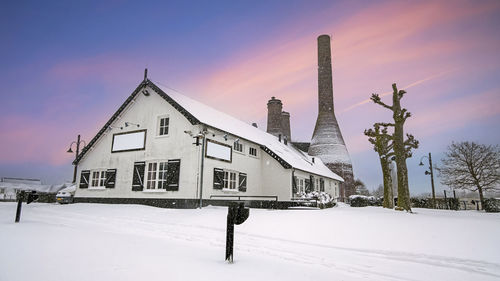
<point x="84" y="179"/>
<point x="294" y="184"/>
<point x="138" y="176"/>
<point x="321" y="185"/>
<point x="110" y="178"/>
<point x="242" y="184"/>
<point x="311" y="179"/>
<point x="173" y="170"/>
<point x="218" y="178"/>
<point x="307" y="184"/>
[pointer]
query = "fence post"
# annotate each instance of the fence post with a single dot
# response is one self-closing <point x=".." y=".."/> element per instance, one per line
<point x="446" y="200"/>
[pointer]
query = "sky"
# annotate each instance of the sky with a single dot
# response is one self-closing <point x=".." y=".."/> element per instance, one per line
<point x="67" y="66"/>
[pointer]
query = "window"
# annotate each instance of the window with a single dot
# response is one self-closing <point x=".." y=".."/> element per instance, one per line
<point x="232" y="180"/>
<point x="163" y="175"/>
<point x="151" y="178"/>
<point x="98" y="179"/>
<point x="238" y="146"/>
<point x="301" y="185"/>
<point x="163" y="126"/>
<point x="229" y="179"/>
<point x="252" y="151"/>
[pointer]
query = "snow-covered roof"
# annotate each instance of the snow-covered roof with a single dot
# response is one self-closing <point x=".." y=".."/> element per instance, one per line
<point x="197" y="112"/>
<point x="21" y="180"/>
<point x="222" y="121"/>
<point x="45" y="188"/>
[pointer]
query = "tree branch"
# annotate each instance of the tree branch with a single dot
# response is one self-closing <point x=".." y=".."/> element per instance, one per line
<point x="376" y="99"/>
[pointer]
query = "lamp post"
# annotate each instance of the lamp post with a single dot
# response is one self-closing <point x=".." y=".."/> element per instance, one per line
<point x="77" y="142"/>
<point x="203" y="133"/>
<point x="432" y="178"/>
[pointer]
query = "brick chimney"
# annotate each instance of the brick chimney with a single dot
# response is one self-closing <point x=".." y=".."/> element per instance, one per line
<point x="274" y="109"/>
<point x="285" y="125"/>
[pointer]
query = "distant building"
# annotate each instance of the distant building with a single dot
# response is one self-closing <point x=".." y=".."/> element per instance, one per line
<point x="10" y="186"/>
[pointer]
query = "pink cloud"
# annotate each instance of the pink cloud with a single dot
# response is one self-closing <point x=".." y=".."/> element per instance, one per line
<point x="39" y="140"/>
<point x="368" y="47"/>
<point x="455" y="113"/>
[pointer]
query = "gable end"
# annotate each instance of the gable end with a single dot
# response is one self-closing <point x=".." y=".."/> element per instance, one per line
<point x="143" y="84"/>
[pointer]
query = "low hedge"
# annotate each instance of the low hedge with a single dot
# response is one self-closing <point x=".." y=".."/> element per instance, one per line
<point x="441" y="203"/>
<point x="491" y="205"/>
<point x="363" y="201"/>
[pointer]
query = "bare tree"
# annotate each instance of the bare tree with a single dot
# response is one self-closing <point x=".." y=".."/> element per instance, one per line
<point x="360" y="188"/>
<point x="471" y="166"/>
<point x="379" y="192"/>
<point x="381" y="141"/>
<point x="402" y="148"/>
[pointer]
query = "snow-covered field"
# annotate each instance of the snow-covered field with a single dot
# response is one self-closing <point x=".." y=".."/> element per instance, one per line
<point x="132" y="242"/>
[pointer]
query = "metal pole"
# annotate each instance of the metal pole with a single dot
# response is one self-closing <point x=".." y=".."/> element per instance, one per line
<point x="20" y="197"/>
<point x="201" y="172"/>
<point x="76" y="157"/>
<point x="230" y="234"/>
<point x="432" y="182"/>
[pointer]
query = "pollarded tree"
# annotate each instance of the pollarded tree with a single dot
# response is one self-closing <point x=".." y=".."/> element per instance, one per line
<point x="471" y="166"/>
<point x="402" y="148"/>
<point x="381" y="141"/>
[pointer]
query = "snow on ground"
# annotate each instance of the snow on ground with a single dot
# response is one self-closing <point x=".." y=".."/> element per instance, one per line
<point x="133" y="242"/>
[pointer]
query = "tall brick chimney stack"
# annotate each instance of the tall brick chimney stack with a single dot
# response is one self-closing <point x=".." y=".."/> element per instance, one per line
<point x="274" y="109"/>
<point x="327" y="142"/>
<point x="285" y="125"/>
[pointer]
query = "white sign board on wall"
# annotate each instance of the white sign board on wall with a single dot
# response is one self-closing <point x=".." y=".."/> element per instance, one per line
<point x="129" y="141"/>
<point x="218" y="151"/>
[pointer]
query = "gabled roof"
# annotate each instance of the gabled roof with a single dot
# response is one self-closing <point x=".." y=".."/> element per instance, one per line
<point x="197" y="113"/>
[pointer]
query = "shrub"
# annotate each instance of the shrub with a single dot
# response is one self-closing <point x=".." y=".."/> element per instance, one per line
<point x="363" y="201"/>
<point x="326" y="205"/>
<point x="454" y="203"/>
<point x="324" y="200"/>
<point x="421" y="202"/>
<point x="441" y="203"/>
<point x="492" y="205"/>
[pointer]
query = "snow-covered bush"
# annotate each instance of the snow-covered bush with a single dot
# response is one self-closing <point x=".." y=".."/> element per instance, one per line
<point x="492" y="205"/>
<point x="324" y="199"/>
<point x="363" y="201"/>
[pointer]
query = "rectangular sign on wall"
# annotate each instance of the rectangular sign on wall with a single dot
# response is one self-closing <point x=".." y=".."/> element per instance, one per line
<point x="217" y="150"/>
<point x="129" y="141"/>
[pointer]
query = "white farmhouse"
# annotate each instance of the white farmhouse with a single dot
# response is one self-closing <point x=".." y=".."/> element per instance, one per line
<point x="164" y="149"/>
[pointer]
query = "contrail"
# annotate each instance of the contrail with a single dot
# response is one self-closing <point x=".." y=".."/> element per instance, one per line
<point x="404" y="88"/>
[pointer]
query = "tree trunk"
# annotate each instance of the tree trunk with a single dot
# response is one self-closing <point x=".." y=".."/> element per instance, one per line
<point x="403" y="189"/>
<point x="481" y="197"/>
<point x="399" y="151"/>
<point x="388" y="194"/>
